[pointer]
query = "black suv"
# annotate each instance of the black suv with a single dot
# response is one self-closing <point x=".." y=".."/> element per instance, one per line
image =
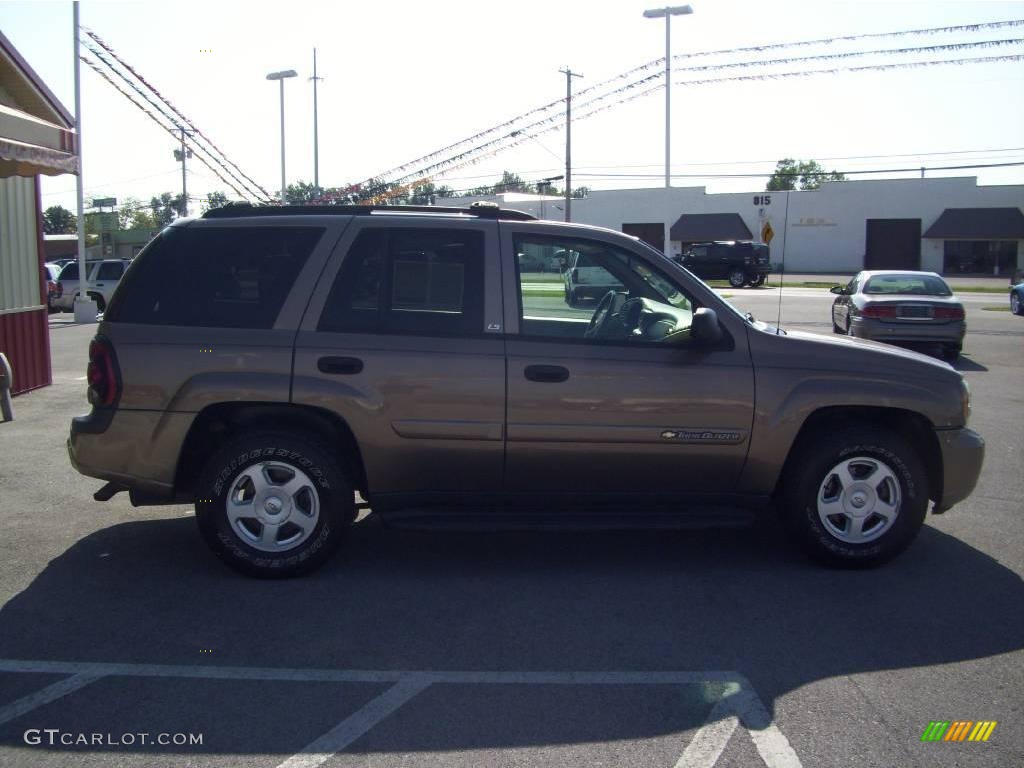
<point x="741" y="263"/>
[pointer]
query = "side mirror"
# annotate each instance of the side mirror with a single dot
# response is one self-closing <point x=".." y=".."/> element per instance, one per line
<point x="838" y="290"/>
<point x="705" y="328"/>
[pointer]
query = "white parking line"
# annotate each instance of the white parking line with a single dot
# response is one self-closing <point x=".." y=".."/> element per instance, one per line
<point x="709" y="742"/>
<point x="355" y="725"/>
<point x="44" y="696"/>
<point x="737" y="704"/>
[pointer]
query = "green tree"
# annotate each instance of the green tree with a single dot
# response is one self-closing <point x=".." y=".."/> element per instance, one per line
<point x="512" y="182"/>
<point x="134" y="214"/>
<point x="302" y="193"/>
<point x="166" y="208"/>
<point x="802" y="174"/>
<point x="426" y="194"/>
<point x="58" y="220"/>
<point x="215" y="200"/>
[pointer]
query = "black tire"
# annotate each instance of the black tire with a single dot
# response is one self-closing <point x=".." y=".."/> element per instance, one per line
<point x="224" y="472"/>
<point x="758" y="281"/>
<point x="836" y="328"/>
<point x="101" y="304"/>
<point x="1016" y="305"/>
<point x="737" y="278"/>
<point x="811" y="471"/>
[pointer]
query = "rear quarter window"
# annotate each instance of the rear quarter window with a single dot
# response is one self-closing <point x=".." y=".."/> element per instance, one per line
<point x="233" y="277"/>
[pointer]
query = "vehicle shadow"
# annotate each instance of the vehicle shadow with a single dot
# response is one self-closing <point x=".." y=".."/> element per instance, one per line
<point x="149" y="592"/>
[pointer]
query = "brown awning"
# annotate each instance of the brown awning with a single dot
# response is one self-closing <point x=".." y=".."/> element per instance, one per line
<point x="36" y="132"/>
<point x="19" y="159"/>
<point x="698" y="227"/>
<point x="978" y="224"/>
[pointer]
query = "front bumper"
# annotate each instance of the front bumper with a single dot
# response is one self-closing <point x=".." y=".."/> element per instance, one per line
<point x="963" y="452"/>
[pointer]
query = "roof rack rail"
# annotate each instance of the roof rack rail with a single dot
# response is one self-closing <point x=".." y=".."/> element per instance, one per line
<point x="481" y="209"/>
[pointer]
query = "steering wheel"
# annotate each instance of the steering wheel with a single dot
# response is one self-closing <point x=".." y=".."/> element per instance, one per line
<point x="609" y="305"/>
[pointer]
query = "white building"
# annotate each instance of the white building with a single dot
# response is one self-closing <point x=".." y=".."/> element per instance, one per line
<point x="950" y="226"/>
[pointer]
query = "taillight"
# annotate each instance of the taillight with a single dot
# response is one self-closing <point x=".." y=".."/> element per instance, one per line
<point x="948" y="313"/>
<point x="101" y="374"/>
<point x="879" y="312"/>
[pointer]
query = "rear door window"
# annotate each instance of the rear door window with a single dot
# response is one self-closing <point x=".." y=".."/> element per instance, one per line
<point x="411" y="281"/>
<point x="234" y="277"/>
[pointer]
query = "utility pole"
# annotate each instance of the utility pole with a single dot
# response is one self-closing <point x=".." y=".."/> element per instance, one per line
<point x="181" y="155"/>
<point x="316" y="140"/>
<point x="569" y="75"/>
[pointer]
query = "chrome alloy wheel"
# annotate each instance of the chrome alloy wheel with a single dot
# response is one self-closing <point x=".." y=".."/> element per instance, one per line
<point x="859" y="500"/>
<point x="273" y="506"/>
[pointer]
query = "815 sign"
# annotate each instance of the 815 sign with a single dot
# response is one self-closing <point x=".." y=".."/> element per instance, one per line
<point x="762" y="199"/>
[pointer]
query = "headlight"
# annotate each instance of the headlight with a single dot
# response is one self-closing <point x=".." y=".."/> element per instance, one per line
<point x="965" y="399"/>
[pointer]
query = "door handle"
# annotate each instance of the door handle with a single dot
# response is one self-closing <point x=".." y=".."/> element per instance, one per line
<point x="341" y="365"/>
<point x="549" y="374"/>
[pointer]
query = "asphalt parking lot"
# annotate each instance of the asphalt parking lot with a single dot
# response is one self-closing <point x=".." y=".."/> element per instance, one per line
<point x="410" y="648"/>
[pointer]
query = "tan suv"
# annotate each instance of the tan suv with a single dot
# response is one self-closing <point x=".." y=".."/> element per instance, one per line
<point x="267" y="363"/>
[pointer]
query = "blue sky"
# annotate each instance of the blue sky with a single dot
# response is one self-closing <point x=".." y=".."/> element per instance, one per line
<point x="406" y="78"/>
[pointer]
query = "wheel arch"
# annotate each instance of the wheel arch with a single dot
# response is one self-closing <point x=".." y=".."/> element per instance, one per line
<point x="217" y="424"/>
<point x="913" y="427"/>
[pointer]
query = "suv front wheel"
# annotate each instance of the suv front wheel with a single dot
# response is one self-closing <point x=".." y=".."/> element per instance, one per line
<point x="273" y="505"/>
<point x="856" y="498"/>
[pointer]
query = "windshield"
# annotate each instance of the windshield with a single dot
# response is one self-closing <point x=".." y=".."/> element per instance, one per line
<point x="915" y="285"/>
<point x="745" y="315"/>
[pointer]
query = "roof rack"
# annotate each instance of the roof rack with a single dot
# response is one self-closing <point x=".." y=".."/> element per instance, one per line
<point x="480" y="209"/>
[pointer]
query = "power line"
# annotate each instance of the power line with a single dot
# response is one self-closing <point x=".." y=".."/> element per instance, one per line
<point x="266" y="195"/>
<point x="658" y="62"/>
<point x="163" y="113"/>
<point x="157" y="120"/>
<point x="795" y="174"/>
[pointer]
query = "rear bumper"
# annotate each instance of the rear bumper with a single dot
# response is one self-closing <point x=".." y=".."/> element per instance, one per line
<point x="136" y="449"/>
<point x="963" y="452"/>
<point x="881" y="330"/>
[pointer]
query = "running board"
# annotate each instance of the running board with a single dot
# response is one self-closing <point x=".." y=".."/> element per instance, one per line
<point x="421" y="519"/>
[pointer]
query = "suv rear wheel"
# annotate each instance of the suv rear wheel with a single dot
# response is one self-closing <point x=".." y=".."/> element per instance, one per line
<point x="273" y="505"/>
<point x="856" y="498"/>
<point x="737" y="278"/>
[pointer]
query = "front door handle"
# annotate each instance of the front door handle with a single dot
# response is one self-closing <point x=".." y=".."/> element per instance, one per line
<point x="340" y="365"/>
<point x="550" y="374"/>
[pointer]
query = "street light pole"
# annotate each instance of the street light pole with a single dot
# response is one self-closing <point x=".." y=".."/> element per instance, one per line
<point x="316" y="138"/>
<point x="280" y="77"/>
<point x="85" y="307"/>
<point x="668" y="13"/>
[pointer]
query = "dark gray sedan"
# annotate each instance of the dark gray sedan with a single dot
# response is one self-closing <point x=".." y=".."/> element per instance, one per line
<point x="901" y="308"/>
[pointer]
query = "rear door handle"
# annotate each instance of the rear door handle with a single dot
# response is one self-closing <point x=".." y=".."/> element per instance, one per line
<point x="550" y="374"/>
<point x="340" y="365"/>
